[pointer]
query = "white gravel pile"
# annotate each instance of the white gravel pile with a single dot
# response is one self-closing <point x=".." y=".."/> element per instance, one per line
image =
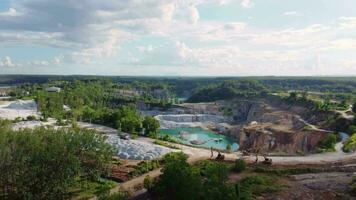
<point x="20" y="108"/>
<point x="136" y="150"/>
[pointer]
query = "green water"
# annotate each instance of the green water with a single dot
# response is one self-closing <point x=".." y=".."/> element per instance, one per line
<point x="202" y="135"/>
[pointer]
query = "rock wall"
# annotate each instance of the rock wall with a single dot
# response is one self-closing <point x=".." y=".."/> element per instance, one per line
<point x="189" y="120"/>
<point x="270" y="140"/>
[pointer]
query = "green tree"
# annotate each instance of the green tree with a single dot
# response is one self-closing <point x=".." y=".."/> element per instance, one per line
<point x="151" y="125"/>
<point x="44" y="163"/>
<point x="215" y="185"/>
<point x="178" y="180"/>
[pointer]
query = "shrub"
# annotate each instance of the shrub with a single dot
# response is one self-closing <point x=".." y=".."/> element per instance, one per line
<point x="31" y="118"/>
<point x="148" y="183"/>
<point x="228" y="147"/>
<point x="240" y="165"/>
<point x="256" y="185"/>
<point x="350" y="144"/>
<point x="328" y="143"/>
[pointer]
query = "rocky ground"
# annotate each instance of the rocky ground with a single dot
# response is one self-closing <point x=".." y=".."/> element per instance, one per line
<point x="319" y="186"/>
<point x="136" y="150"/>
<point x="129" y="149"/>
<point x="20" y="108"/>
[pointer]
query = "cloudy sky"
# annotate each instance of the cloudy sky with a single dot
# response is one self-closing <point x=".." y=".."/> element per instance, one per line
<point x="178" y="37"/>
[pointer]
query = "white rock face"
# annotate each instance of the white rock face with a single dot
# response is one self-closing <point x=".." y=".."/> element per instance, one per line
<point x="20" y="108"/>
<point x="188" y="120"/>
<point x="136" y="150"/>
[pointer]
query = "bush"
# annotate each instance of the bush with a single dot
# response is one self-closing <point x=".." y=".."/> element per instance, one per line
<point x="257" y="185"/>
<point x="328" y="143"/>
<point x="350" y="144"/>
<point x="31" y="118"/>
<point x="228" y="147"/>
<point x="351" y="130"/>
<point x="148" y="183"/>
<point x="240" y="165"/>
<point x="144" y="167"/>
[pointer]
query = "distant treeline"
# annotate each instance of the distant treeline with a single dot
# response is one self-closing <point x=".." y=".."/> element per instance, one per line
<point x="185" y="86"/>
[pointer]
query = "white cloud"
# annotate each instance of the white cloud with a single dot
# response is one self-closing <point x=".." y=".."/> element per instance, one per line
<point x="347" y="22"/>
<point x="7" y="62"/>
<point x="247" y="3"/>
<point x="292" y="13"/>
<point x="10" y="13"/>
<point x="170" y="33"/>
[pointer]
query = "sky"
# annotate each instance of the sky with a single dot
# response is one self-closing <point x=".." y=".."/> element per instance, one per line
<point x="178" y="37"/>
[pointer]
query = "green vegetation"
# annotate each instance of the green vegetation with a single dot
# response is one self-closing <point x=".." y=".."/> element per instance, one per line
<point x="148" y="183"/>
<point x="47" y="164"/>
<point x="328" y="144"/>
<point x="204" y="180"/>
<point x="350" y="144"/>
<point x="286" y="171"/>
<point x="186" y="184"/>
<point x="151" y="126"/>
<point x="240" y="165"/>
<point x="228" y="90"/>
<point x="353" y="187"/>
<point x="252" y="186"/>
<point x="87" y="189"/>
<point x="163" y="143"/>
<point x="144" y="167"/>
<point x="116" y="196"/>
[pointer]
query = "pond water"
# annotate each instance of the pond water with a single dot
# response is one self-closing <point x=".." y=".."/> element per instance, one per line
<point x="205" y="138"/>
<point x="344" y="136"/>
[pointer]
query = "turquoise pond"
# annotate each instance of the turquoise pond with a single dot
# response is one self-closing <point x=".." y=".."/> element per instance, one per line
<point x="200" y="134"/>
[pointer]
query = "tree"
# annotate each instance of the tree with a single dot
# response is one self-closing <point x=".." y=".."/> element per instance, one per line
<point x="178" y="180"/>
<point x="354" y="108"/>
<point x="150" y="124"/>
<point x="215" y="186"/>
<point x="293" y="96"/>
<point x="44" y="163"/>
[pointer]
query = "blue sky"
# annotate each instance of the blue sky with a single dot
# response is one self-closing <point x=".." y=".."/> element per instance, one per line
<point x="178" y="37"/>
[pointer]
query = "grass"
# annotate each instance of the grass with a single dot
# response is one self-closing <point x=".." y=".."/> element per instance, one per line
<point x="86" y="189"/>
<point x="287" y="171"/>
<point x="144" y="167"/>
<point x="165" y="144"/>
<point x="256" y="185"/>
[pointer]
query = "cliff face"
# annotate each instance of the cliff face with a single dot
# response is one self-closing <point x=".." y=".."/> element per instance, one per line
<point x="270" y="140"/>
<point x="273" y="128"/>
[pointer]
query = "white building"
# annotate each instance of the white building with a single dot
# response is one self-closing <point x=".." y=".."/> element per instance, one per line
<point x="53" y="89"/>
